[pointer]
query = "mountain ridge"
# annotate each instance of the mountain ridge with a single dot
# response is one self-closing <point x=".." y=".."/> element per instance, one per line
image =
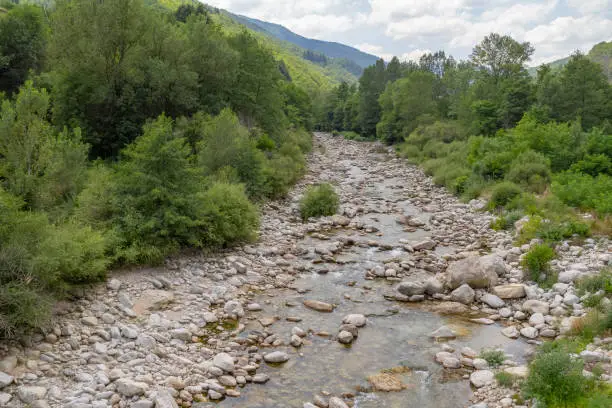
<point x="331" y="49"/>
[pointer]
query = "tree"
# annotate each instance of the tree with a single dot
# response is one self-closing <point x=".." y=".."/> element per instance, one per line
<point x="371" y="86"/>
<point x="584" y="92"/>
<point x="22" y="45"/>
<point x="501" y="55"/>
<point x="256" y="95"/>
<point x="404" y="104"/>
<point x="94" y="50"/>
<point x="42" y="167"/>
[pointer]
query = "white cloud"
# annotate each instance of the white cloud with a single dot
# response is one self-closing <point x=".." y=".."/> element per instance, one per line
<point x="404" y="27"/>
<point x="367" y="47"/>
<point x="591" y="6"/>
<point x="414" y="55"/>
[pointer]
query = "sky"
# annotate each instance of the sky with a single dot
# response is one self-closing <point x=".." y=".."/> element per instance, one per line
<point x="409" y="28"/>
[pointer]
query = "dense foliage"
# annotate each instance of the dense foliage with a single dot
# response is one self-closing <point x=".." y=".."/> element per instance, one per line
<point x="318" y="201"/>
<point x="485" y="128"/>
<point x="129" y="131"/>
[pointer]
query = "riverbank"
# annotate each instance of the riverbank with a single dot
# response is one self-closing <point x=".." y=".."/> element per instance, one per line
<point x="244" y="327"/>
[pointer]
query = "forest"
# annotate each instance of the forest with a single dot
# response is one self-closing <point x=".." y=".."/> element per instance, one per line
<point x="131" y="131"/>
<point x="484" y="128"/>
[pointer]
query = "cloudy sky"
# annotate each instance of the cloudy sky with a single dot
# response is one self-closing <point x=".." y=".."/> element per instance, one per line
<point x="407" y="28"/>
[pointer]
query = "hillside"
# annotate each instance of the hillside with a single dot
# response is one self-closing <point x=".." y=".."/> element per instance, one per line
<point x="600" y="53"/>
<point x="330" y="49"/>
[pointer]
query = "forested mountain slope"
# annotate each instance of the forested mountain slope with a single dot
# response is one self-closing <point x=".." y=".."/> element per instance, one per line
<point x="600" y="53"/>
<point x="330" y="49"/>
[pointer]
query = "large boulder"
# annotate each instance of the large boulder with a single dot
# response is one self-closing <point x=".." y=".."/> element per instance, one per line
<point x="535" y="306"/>
<point x="463" y="294"/>
<point x="493" y="301"/>
<point x="163" y="399"/>
<point x="481" y="378"/>
<point x="433" y="286"/>
<point x="411" y="288"/>
<point x="511" y="291"/>
<point x="478" y="272"/>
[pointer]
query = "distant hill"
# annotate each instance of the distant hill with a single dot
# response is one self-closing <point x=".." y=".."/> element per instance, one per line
<point x="330" y="49"/>
<point x="600" y="53"/>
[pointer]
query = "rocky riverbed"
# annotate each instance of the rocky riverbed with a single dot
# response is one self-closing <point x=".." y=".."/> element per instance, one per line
<point x="387" y="304"/>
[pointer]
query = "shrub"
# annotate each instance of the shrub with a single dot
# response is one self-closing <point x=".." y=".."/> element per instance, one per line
<point x="556" y="379"/>
<point x="319" y="200"/>
<point x="584" y="191"/>
<point x="284" y="168"/>
<point x="530" y="170"/>
<point x="225" y="142"/>
<point x="503" y="193"/>
<point x="506" y="220"/>
<point x="593" y="165"/>
<point x="495" y="358"/>
<point x="505" y="379"/>
<point x="38" y="261"/>
<point x="157" y="196"/>
<point x="227" y="215"/>
<point x="537" y="261"/>
<point x="594" y="283"/>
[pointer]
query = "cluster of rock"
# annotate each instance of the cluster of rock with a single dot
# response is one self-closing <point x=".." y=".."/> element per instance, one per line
<point x="349" y="330"/>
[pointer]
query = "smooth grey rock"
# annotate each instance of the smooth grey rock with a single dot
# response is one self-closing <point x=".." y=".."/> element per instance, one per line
<point x="481" y="378"/>
<point x="433" y="286"/>
<point x="511" y="291"/>
<point x="276" y="357"/>
<point x="493" y="301"/>
<point x="260" y="378"/>
<point x="535" y="306"/>
<point x="443" y="333"/>
<point x="357" y="320"/>
<point x="475" y="271"/>
<point x="224" y="361"/>
<point x="529" y="332"/>
<point x="5" y="379"/>
<point x="511" y="332"/>
<point x="335" y="402"/>
<point x="29" y="394"/>
<point x="463" y="294"/>
<point x="345" y="337"/>
<point x="130" y="388"/>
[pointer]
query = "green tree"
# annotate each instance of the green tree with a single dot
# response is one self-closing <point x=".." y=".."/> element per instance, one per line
<point x="257" y="95"/>
<point x="94" y="51"/>
<point x="584" y="92"/>
<point x="22" y="45"/>
<point x="46" y="169"/>
<point x="405" y="103"/>
<point x="371" y="86"/>
<point x="501" y="56"/>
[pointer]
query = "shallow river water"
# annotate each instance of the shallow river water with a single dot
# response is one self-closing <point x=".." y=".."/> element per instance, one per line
<point x="396" y="334"/>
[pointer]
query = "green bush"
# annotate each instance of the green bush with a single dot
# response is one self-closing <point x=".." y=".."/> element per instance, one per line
<point x="39" y="261"/>
<point x="227" y="216"/>
<point x="319" y="200"/>
<point x="495" y="358"/>
<point x="537" y="261"/>
<point x="505" y="379"/>
<point x="503" y="193"/>
<point x="593" y="165"/>
<point x="530" y="170"/>
<point x="225" y="142"/>
<point x="157" y="196"/>
<point x="584" y="191"/>
<point x="594" y="283"/>
<point x="284" y="168"/>
<point x="555" y="379"/>
<point x="506" y="220"/>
